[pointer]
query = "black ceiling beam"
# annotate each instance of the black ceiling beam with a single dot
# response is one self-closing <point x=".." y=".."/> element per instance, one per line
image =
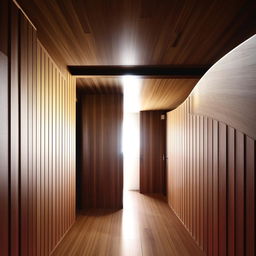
<point x="155" y="71"/>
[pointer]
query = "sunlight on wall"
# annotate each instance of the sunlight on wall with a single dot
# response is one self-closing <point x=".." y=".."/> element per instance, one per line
<point x="131" y="130"/>
<point x="131" y="151"/>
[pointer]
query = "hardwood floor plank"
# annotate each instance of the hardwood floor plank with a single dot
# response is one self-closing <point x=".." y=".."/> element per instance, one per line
<point x="145" y="226"/>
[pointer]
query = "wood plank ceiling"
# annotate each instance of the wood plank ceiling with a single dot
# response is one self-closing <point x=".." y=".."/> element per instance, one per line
<point x="141" y="32"/>
<point x="155" y="93"/>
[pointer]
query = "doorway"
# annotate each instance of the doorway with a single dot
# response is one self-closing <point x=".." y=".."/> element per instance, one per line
<point x="153" y="151"/>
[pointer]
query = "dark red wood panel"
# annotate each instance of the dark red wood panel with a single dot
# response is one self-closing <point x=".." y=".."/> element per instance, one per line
<point x="101" y="170"/>
<point x="152" y="151"/>
<point x="240" y="188"/>
<point x="231" y="192"/>
<point x="222" y="236"/>
<point x="14" y="131"/>
<point x="24" y="216"/>
<point x="4" y="130"/>
<point x="250" y="196"/>
<point x="215" y="191"/>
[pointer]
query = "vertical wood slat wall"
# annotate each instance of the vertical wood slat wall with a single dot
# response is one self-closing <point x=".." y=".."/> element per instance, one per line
<point x="4" y="125"/>
<point x="38" y="170"/>
<point x="211" y="182"/>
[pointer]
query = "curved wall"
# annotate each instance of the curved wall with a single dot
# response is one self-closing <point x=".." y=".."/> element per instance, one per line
<point x="211" y="156"/>
<point x="227" y="92"/>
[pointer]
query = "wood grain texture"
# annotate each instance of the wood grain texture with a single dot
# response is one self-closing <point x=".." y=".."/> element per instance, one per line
<point x="139" y="32"/>
<point x="250" y="196"/>
<point x="101" y="159"/>
<point x="24" y="118"/>
<point x="4" y="130"/>
<point x="228" y="225"/>
<point x="14" y="130"/>
<point x="240" y="193"/>
<point x="231" y="191"/>
<point x="227" y="91"/>
<point x="141" y="228"/>
<point x="224" y="98"/>
<point x="154" y="94"/>
<point x="102" y="85"/>
<point x="133" y="32"/>
<point x="29" y="118"/>
<point x="152" y="151"/>
<point x="222" y="235"/>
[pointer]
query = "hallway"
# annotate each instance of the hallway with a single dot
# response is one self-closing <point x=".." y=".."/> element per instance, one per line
<point x="145" y="226"/>
<point x="128" y="127"/>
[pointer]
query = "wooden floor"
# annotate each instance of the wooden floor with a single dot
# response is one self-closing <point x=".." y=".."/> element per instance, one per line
<point x="146" y="226"/>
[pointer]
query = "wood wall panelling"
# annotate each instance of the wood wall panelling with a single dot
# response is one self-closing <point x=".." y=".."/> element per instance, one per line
<point x="4" y="130"/>
<point x="222" y="189"/>
<point x="205" y="184"/>
<point x="239" y="192"/>
<point x="101" y="168"/>
<point x="222" y="220"/>
<point x="29" y="115"/>
<point x="210" y="186"/>
<point x="38" y="150"/>
<point x="34" y="141"/>
<point x="250" y="196"/>
<point x="24" y="157"/>
<point x="215" y="184"/>
<point x="226" y="97"/>
<point x="14" y="132"/>
<point x="56" y="154"/>
<point x="231" y="191"/>
<point x="218" y="163"/>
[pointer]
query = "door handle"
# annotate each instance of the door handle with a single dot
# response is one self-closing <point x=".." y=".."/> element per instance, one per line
<point x="164" y="157"/>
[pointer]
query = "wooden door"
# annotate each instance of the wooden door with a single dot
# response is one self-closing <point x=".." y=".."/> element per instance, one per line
<point x="153" y="152"/>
